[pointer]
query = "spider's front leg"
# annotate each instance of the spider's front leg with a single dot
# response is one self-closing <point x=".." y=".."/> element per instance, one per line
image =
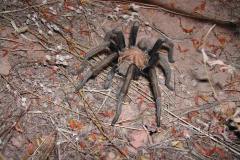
<point x="123" y="92"/>
<point x="168" y="46"/>
<point x="112" y="38"/>
<point x="163" y="44"/>
<point x="164" y="65"/>
<point x="152" y="75"/>
<point x="95" y="70"/>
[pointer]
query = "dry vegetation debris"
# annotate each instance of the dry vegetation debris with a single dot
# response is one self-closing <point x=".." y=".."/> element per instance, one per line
<point x="42" y="44"/>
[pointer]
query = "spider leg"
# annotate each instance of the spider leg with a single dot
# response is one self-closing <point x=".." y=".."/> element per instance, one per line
<point x="156" y="47"/>
<point x="120" y="39"/>
<point x="163" y="63"/>
<point x="110" y="76"/>
<point x="111" y="41"/>
<point x="92" y="52"/>
<point x="156" y="92"/>
<point x="108" y="44"/>
<point x="144" y="44"/>
<point x="133" y="34"/>
<point x="95" y="70"/>
<point x="123" y="92"/>
<point x="168" y="45"/>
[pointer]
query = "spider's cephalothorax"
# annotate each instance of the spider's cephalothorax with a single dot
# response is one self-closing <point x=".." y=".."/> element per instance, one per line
<point x="131" y="62"/>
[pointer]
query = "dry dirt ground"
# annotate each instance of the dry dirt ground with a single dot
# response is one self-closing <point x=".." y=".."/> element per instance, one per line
<point x="41" y="117"/>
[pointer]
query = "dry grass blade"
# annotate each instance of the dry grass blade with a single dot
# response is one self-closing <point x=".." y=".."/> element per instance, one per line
<point x="1" y="157"/>
<point x="45" y="148"/>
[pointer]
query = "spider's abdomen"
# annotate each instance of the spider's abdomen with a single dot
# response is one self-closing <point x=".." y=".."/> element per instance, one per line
<point x="135" y="56"/>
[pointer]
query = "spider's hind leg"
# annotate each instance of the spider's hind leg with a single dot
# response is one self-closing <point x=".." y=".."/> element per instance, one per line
<point x="152" y="75"/>
<point x="123" y="92"/>
<point x="110" y="77"/>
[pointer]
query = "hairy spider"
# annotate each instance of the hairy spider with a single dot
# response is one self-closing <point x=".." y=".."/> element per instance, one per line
<point x="131" y="62"/>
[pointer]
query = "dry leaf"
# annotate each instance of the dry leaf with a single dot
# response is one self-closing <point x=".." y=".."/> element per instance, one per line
<point x="4" y="66"/>
<point x="201" y="7"/>
<point x="139" y="138"/>
<point x="75" y="124"/>
<point x="228" y="109"/>
<point x="30" y="148"/>
<point x="222" y="40"/>
<point x="92" y="137"/>
<point x="108" y="114"/>
<point x="177" y="144"/>
<point x="2" y="157"/>
<point x="82" y="145"/>
<point x="186" y="30"/>
<point x="196" y="43"/>
<point x="210" y="151"/>
<point x="181" y="50"/>
<point x="18" y="127"/>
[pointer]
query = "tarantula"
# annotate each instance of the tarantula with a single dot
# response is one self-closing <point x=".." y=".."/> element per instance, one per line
<point x="131" y="62"/>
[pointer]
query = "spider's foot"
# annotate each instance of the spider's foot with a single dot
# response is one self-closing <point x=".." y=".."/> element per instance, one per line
<point x="118" y="110"/>
<point x="169" y="86"/>
<point x="158" y="107"/>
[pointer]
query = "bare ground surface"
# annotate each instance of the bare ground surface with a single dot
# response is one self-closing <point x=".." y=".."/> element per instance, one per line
<point x="41" y="116"/>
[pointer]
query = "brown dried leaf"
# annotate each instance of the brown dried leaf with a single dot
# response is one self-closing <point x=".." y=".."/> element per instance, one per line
<point x="18" y="127"/>
<point x="4" y="65"/>
<point x="196" y="43"/>
<point x="108" y="114"/>
<point x="200" y="8"/>
<point x="222" y="40"/>
<point x="210" y="151"/>
<point x="2" y="157"/>
<point x="177" y="144"/>
<point x="75" y="124"/>
<point x="186" y="30"/>
<point x="181" y="50"/>
<point x="31" y="148"/>
<point x="139" y="138"/>
<point x="92" y="137"/>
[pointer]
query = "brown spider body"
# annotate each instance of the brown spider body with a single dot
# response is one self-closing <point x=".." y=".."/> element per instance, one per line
<point x="129" y="56"/>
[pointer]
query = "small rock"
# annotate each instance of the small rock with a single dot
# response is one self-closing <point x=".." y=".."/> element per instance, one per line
<point x="125" y="16"/>
<point x="139" y="138"/>
<point x="220" y="79"/>
<point x="17" y="141"/>
<point x="199" y="74"/>
<point x="194" y="83"/>
<point x="110" y="156"/>
<point x="117" y="9"/>
<point x="134" y="7"/>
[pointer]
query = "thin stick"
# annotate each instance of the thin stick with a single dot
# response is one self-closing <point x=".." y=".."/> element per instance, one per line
<point x="33" y="6"/>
